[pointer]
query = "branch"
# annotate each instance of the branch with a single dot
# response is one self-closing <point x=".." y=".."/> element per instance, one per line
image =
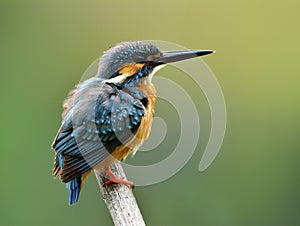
<point x="120" y="200"/>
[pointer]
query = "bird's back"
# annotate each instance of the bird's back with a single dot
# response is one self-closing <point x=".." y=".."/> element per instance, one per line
<point x="102" y="122"/>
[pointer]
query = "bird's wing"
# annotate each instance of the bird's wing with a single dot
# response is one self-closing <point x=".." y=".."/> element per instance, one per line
<point x="99" y="118"/>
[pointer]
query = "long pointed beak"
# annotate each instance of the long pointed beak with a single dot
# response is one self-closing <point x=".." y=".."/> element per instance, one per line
<point x="174" y="56"/>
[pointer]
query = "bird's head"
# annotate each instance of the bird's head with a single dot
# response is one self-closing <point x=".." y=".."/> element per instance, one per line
<point x="129" y="62"/>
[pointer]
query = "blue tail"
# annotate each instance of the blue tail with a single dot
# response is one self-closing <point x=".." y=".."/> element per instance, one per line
<point x="74" y="190"/>
<point x="73" y="185"/>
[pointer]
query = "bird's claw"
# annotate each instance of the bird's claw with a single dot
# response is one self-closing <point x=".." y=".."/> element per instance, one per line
<point x="115" y="180"/>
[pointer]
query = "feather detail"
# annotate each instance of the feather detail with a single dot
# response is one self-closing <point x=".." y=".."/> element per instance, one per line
<point x="74" y="190"/>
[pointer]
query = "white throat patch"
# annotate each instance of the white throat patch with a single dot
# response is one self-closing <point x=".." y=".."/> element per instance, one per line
<point x="117" y="79"/>
<point x="156" y="69"/>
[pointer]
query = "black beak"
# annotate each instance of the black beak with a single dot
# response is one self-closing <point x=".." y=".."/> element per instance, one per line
<point x="174" y="56"/>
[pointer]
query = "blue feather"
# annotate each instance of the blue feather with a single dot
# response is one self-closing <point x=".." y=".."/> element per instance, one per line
<point x="74" y="190"/>
<point x="60" y="160"/>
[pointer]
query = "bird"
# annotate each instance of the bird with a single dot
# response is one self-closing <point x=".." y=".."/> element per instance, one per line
<point x="109" y="116"/>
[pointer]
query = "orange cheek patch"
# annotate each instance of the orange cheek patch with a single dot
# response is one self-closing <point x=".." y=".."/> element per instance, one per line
<point x="130" y="69"/>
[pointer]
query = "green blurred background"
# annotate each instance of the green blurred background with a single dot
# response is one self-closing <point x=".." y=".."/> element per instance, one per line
<point x="45" y="46"/>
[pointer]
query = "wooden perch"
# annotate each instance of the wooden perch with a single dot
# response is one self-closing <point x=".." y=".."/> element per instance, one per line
<point x="120" y="200"/>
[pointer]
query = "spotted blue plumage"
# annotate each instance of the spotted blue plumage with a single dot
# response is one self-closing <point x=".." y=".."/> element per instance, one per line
<point x="124" y="53"/>
<point x="86" y="136"/>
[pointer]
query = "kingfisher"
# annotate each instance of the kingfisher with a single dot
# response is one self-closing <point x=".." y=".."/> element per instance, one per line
<point x="109" y="115"/>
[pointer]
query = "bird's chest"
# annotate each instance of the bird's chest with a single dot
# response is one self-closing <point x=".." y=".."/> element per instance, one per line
<point x="146" y="123"/>
<point x="144" y="129"/>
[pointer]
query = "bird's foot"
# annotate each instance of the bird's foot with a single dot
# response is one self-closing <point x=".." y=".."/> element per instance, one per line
<point x="115" y="180"/>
